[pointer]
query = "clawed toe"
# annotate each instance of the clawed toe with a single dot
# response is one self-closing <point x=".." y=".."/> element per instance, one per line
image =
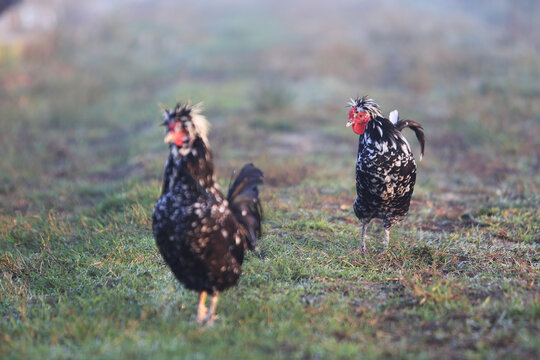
<point x="209" y="320"/>
<point x="202" y="314"/>
<point x="361" y="251"/>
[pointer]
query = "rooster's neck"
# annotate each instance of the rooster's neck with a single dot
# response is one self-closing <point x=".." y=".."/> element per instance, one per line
<point x="190" y="172"/>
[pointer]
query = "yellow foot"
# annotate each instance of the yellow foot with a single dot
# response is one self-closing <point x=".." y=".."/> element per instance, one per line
<point x="202" y="314"/>
<point x="209" y="320"/>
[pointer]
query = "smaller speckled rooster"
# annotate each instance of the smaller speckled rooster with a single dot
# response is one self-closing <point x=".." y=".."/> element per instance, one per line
<point x="385" y="167"/>
<point x="200" y="233"/>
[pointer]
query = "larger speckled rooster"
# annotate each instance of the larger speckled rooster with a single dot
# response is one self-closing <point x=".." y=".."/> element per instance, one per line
<point x="200" y="233"/>
<point x="385" y="168"/>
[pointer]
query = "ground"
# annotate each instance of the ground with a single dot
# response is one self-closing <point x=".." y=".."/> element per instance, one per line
<point x="82" y="156"/>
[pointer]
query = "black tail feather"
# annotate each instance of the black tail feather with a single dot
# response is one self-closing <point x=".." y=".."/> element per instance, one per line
<point x="418" y="130"/>
<point x="243" y="197"/>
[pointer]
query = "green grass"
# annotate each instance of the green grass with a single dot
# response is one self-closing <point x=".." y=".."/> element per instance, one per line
<point x="96" y="286"/>
<point x="82" y="156"/>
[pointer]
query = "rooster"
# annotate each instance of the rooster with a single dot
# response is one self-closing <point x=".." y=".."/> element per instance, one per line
<point x="200" y="233"/>
<point x="385" y="167"/>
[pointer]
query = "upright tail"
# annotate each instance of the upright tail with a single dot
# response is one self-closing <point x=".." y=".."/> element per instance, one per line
<point x="243" y="197"/>
<point x="418" y="130"/>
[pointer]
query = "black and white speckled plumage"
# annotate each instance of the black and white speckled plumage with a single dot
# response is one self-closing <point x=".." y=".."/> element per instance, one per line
<point x="385" y="167"/>
<point x="201" y="234"/>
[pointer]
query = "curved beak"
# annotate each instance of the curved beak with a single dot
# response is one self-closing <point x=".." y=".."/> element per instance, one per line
<point x="169" y="138"/>
<point x="349" y="123"/>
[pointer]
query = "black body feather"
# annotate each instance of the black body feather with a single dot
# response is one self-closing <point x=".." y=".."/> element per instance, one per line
<point x="385" y="168"/>
<point x="201" y="234"/>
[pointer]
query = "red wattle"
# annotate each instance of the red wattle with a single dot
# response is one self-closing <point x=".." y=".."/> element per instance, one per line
<point x="359" y="126"/>
<point x="178" y="138"/>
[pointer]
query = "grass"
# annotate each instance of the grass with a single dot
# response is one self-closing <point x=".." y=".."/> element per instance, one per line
<point x="82" y="155"/>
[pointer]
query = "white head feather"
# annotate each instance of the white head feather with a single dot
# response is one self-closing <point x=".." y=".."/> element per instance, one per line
<point x="200" y="122"/>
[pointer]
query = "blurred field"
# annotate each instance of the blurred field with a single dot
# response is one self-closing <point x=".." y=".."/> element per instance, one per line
<point x="82" y="155"/>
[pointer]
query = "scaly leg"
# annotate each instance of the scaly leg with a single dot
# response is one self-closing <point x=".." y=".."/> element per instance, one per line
<point x="202" y="310"/>
<point x="211" y="316"/>
<point x="364" y="224"/>
<point x="386" y="237"/>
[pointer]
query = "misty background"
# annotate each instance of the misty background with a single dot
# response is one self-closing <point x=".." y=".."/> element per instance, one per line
<point x="82" y="155"/>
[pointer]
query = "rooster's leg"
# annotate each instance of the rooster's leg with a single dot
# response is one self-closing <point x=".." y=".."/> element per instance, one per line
<point x="386" y="237"/>
<point x="364" y="224"/>
<point x="209" y="320"/>
<point x="202" y="310"/>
